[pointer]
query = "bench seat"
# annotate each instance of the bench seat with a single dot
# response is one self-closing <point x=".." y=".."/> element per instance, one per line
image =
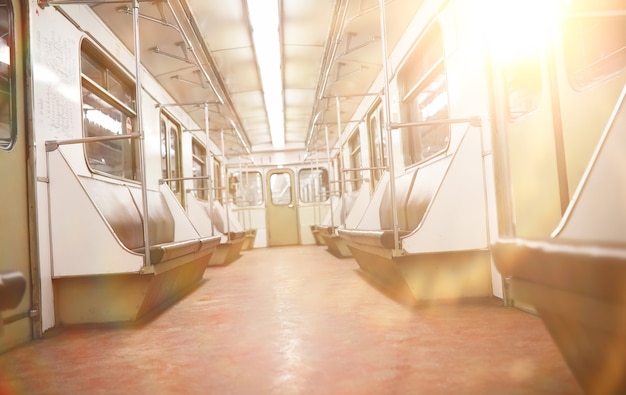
<point x="167" y="251"/>
<point x="100" y="272"/>
<point x="348" y="212"/>
<point x="230" y="242"/>
<point x="579" y="291"/>
<point x="121" y="206"/>
<point x="576" y="279"/>
<point x="249" y="238"/>
<point x="434" y="244"/>
<point x="174" y="267"/>
<point x="593" y="271"/>
<point x="378" y="238"/>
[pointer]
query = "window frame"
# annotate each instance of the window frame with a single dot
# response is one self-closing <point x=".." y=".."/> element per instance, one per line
<point x="356" y="161"/>
<point x="317" y="194"/>
<point x="581" y="20"/>
<point x="199" y="157"/>
<point x="173" y="165"/>
<point x="11" y="136"/>
<point x="378" y="142"/>
<point x="216" y="167"/>
<point x="128" y="147"/>
<point x="413" y="83"/>
<point x="286" y="175"/>
<point x="244" y="186"/>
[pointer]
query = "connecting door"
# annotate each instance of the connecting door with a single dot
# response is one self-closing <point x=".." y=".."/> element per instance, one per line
<point x="15" y="321"/>
<point x="282" y="211"/>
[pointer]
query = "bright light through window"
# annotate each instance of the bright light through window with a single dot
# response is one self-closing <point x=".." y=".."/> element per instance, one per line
<point x="518" y="29"/>
<point x="264" y="19"/>
<point x="5" y="52"/>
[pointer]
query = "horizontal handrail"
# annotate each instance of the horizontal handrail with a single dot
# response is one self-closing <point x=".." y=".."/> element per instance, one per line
<point x="52" y="145"/>
<point x="364" y="168"/>
<point x="357" y="179"/>
<point x="164" y="180"/>
<point x="474" y="121"/>
<point x="46" y="3"/>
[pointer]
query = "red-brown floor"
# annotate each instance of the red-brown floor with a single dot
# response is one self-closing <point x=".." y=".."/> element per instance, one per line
<point x="296" y="320"/>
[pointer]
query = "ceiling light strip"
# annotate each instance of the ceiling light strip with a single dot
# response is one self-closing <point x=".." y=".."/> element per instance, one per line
<point x="265" y="23"/>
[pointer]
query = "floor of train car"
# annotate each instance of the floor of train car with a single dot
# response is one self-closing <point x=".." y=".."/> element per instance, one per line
<point x="297" y="320"/>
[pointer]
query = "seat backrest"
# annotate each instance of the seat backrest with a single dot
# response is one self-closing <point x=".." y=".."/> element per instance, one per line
<point x="358" y="206"/>
<point x="403" y="185"/>
<point x="335" y="203"/>
<point x="423" y="190"/>
<point x="597" y="211"/>
<point x="116" y="205"/>
<point x="415" y="191"/>
<point x="160" y="219"/>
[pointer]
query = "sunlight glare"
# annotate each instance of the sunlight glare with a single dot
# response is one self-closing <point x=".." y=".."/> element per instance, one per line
<point x="518" y="29"/>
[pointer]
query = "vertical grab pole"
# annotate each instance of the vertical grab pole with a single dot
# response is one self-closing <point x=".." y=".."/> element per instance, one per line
<point x="225" y="185"/>
<point x="332" y="214"/>
<point x="342" y="181"/>
<point x="316" y="191"/>
<point x="142" y="149"/>
<point x="209" y="156"/>
<point x="248" y="205"/>
<point x="239" y="167"/>
<point x="386" y="123"/>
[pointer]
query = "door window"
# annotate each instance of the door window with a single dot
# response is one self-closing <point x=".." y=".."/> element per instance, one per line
<point x="280" y="184"/>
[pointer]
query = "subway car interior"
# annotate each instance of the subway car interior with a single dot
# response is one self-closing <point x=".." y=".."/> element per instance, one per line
<point x="306" y="197"/>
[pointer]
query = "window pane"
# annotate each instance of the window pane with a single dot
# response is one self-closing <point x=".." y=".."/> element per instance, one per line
<point x="378" y="143"/>
<point x="594" y="46"/>
<point x="249" y="188"/>
<point x="123" y="92"/>
<point x="164" y="170"/>
<point x="217" y="180"/>
<point x="103" y="115"/>
<point x="93" y="70"/>
<point x="429" y="102"/>
<point x="199" y="170"/>
<point x="523" y="87"/>
<point x="102" y="119"/>
<point x="354" y="144"/>
<point x="424" y="88"/>
<point x="313" y="185"/>
<point x="173" y="160"/>
<point x="280" y="184"/>
<point x="7" y="134"/>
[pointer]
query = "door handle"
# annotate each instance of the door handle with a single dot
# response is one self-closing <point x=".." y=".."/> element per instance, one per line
<point x="290" y="206"/>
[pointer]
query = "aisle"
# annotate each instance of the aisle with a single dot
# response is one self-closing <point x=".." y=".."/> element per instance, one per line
<point x="296" y="320"/>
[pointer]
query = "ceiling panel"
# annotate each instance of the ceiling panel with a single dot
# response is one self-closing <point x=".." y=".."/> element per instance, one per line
<point x="220" y="48"/>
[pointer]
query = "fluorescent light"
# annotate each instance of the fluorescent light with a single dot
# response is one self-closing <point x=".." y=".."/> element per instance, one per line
<point x="264" y="19"/>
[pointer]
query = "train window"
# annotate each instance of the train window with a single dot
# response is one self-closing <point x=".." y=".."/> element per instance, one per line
<point x="594" y="41"/>
<point x="522" y="82"/>
<point x="280" y="184"/>
<point x="7" y="130"/>
<point x="248" y="188"/>
<point x="217" y="181"/>
<point x="108" y="110"/>
<point x="313" y="185"/>
<point x="93" y="70"/>
<point x="378" y="142"/>
<point x="170" y="154"/>
<point x="354" y="145"/>
<point x="199" y="168"/>
<point x="423" y="85"/>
